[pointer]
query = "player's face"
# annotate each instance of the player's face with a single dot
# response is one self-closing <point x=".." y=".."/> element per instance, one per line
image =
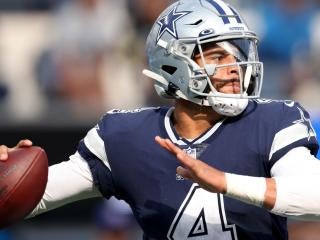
<point x="225" y="79"/>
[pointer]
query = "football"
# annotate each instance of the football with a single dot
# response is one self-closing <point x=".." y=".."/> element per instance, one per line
<point x="23" y="179"/>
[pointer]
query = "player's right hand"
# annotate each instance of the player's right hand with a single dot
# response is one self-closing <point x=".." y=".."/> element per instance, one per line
<point x="4" y="149"/>
<point x="208" y="177"/>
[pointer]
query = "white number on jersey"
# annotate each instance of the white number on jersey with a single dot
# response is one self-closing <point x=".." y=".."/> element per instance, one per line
<point x="202" y="216"/>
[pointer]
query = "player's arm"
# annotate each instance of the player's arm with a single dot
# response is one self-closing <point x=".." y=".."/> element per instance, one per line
<point x="259" y="191"/>
<point x="68" y="182"/>
<point x="292" y="191"/>
<point x="297" y="177"/>
<point x="87" y="174"/>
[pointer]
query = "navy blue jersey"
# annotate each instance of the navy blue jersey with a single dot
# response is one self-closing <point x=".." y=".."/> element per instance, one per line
<point x="126" y="162"/>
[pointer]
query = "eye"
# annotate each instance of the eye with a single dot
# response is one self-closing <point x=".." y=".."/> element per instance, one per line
<point x="217" y="57"/>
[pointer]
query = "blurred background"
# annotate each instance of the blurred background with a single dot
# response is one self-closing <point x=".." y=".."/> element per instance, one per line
<point x="63" y="63"/>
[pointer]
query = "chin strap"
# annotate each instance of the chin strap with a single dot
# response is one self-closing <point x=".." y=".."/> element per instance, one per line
<point x="229" y="107"/>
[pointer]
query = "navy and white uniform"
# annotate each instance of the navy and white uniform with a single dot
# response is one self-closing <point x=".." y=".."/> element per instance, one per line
<point x="126" y="162"/>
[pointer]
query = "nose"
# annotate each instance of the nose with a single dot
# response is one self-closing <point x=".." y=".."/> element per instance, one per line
<point x="229" y="59"/>
<point x="233" y="70"/>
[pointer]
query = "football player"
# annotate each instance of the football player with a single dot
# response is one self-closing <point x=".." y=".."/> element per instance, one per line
<point x="257" y="162"/>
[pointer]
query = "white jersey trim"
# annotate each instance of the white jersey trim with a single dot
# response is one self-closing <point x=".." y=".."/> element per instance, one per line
<point x="298" y="161"/>
<point x="288" y="136"/>
<point x="169" y="130"/>
<point x="96" y="145"/>
<point x="210" y="132"/>
<point x="179" y="141"/>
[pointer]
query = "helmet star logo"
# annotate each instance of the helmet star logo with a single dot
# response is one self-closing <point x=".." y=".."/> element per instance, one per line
<point x="168" y="22"/>
<point x="307" y="122"/>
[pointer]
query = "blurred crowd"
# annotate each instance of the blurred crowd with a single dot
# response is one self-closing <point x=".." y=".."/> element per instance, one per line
<point x="69" y="61"/>
<point x="66" y="62"/>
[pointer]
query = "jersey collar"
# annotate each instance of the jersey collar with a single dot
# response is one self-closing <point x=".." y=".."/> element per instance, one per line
<point x="174" y="137"/>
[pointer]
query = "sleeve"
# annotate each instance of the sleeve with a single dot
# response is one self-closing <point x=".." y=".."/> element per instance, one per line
<point x="68" y="181"/>
<point x="297" y="176"/>
<point x="92" y="149"/>
<point x="293" y="130"/>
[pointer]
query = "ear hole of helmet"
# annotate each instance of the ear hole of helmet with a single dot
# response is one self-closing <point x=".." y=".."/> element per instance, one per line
<point x="169" y="69"/>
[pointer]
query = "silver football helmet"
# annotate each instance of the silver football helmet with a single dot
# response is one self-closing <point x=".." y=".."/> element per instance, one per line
<point x="186" y="28"/>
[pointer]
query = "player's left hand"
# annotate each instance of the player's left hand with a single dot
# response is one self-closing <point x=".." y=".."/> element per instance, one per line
<point x="197" y="171"/>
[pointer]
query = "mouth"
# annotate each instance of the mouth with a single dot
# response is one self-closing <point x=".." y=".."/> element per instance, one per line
<point x="231" y="86"/>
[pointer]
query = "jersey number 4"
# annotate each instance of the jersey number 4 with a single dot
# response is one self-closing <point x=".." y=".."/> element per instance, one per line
<point x="202" y="216"/>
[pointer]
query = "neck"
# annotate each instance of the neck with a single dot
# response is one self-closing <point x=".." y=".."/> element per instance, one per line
<point x="191" y="120"/>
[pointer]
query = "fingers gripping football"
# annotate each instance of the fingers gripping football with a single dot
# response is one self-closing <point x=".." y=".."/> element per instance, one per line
<point x="3" y="152"/>
<point x="4" y="149"/>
